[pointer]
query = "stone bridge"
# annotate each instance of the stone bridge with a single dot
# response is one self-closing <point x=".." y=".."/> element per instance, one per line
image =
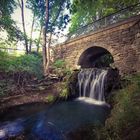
<point x="121" y="40"/>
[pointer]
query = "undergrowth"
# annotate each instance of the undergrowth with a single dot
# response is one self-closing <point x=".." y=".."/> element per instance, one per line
<point x="124" y="120"/>
<point x="16" y="72"/>
<point x="30" y="63"/>
<point x="60" y="69"/>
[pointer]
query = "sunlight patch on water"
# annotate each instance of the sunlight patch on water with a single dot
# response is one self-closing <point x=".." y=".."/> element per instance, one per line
<point x="92" y="101"/>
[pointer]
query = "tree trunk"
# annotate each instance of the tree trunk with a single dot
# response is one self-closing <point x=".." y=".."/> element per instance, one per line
<point x="44" y="38"/>
<point x="39" y="38"/>
<point x="48" y="54"/>
<point x="44" y="49"/>
<point x="30" y="45"/>
<point x="23" y="24"/>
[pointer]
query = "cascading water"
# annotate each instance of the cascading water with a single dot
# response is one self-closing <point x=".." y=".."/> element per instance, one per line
<point x="91" y="83"/>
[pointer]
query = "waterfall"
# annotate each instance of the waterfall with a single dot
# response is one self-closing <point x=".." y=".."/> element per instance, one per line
<point x="91" y="83"/>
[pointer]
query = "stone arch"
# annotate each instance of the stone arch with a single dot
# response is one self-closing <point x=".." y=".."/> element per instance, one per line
<point x="95" y="56"/>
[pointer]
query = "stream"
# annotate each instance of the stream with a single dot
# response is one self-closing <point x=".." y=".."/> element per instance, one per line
<point x="54" y="122"/>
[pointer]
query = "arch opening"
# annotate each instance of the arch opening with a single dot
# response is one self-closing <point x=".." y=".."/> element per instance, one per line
<point x="95" y="57"/>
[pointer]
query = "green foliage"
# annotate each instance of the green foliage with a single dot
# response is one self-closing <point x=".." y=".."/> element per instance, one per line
<point x="58" y="18"/>
<point x="5" y="43"/>
<point x="64" y="93"/>
<point x="5" y="61"/>
<point x="6" y="22"/>
<point x="123" y="122"/>
<point x="50" y="98"/>
<point x="30" y="63"/>
<point x="59" y="63"/>
<point x="84" y="12"/>
<point x="125" y="115"/>
<point x="60" y="68"/>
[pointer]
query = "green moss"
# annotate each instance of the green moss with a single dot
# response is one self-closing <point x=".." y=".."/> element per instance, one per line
<point x="49" y="98"/>
<point x="64" y="93"/>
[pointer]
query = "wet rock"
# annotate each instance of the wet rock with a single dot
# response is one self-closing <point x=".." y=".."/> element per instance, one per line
<point x="112" y="80"/>
<point x="73" y="90"/>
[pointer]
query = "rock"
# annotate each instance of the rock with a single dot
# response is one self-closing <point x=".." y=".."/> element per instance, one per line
<point x="112" y="83"/>
<point x="73" y="90"/>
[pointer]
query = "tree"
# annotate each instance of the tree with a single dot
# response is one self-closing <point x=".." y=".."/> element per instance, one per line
<point x="84" y="12"/>
<point x="6" y="22"/>
<point x="38" y="40"/>
<point x="32" y="27"/>
<point x="21" y="5"/>
<point x="52" y="16"/>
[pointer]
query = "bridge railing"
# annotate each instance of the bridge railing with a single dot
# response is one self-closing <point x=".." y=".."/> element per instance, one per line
<point x="106" y="21"/>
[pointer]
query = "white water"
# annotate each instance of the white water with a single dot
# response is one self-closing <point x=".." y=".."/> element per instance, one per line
<point x="91" y="83"/>
<point x="92" y="101"/>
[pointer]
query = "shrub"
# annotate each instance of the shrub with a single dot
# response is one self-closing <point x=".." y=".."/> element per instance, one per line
<point x="5" y="60"/>
<point x="125" y="115"/>
<point x="60" y="69"/>
<point x="26" y="63"/>
<point x="59" y="63"/>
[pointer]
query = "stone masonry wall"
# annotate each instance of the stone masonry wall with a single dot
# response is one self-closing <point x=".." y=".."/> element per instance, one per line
<point x="122" y="40"/>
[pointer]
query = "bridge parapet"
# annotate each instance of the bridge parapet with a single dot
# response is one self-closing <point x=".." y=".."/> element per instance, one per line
<point x="120" y="15"/>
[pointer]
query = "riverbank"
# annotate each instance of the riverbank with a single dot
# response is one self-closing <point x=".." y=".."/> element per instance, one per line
<point x="124" y="120"/>
<point x="42" y="94"/>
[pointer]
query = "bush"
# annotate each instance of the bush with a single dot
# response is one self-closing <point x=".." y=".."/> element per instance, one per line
<point x="26" y="63"/>
<point x="5" y="60"/>
<point x="59" y="63"/>
<point x="60" y="69"/>
<point x="125" y="115"/>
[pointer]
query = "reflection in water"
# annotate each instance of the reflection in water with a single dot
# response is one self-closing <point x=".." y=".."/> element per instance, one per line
<point x="56" y="121"/>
